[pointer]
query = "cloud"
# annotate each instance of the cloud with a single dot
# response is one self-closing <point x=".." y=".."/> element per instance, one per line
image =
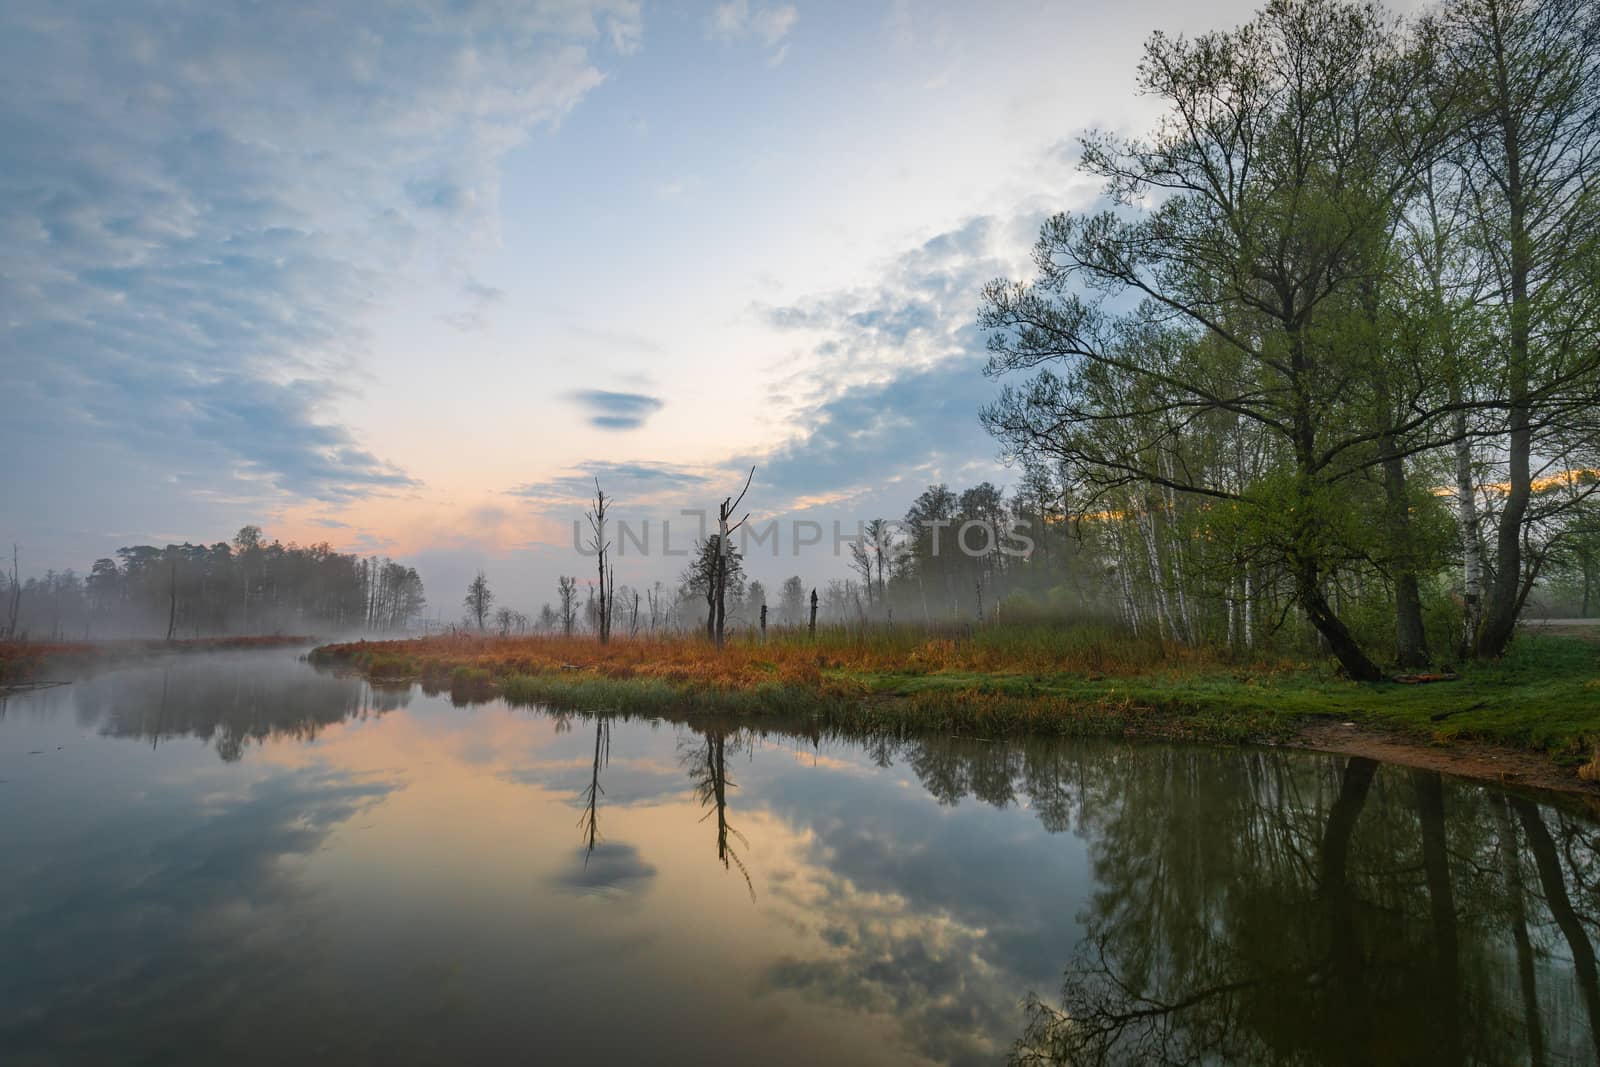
<point x="921" y="425"/>
<point x="886" y="395"/>
<point x="628" y="482"/>
<point x="920" y="311"/>
<point x="625" y="28"/>
<point x="479" y="299"/>
<point x="892" y="378"/>
<point x="201" y="205"/>
<point x="616" y="411"/>
<point x="738" y="20"/>
<point x="612" y="869"/>
<point x="193" y="893"/>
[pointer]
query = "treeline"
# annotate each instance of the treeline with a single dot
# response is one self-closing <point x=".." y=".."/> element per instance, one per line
<point x="1332" y="353"/>
<point x="975" y="555"/>
<point x="249" y="586"/>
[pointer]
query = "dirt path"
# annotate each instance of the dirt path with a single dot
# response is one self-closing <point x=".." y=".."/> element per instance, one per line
<point x="1467" y="759"/>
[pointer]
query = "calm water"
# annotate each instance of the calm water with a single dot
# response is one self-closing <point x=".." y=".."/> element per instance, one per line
<point x="237" y="859"/>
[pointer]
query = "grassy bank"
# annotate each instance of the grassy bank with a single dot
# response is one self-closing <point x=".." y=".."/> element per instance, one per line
<point x="1544" y="696"/>
<point x="22" y="662"/>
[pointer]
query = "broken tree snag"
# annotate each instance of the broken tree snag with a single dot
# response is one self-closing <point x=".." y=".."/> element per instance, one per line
<point x="719" y="579"/>
<point x="606" y="575"/>
<point x="812" y="629"/>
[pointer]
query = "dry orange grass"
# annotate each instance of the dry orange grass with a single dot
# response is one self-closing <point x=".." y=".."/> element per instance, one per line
<point x="789" y="659"/>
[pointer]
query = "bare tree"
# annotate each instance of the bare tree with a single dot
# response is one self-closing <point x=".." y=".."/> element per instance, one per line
<point x="653" y="598"/>
<point x="16" y="595"/>
<point x="861" y="563"/>
<point x="567" y="588"/>
<point x="479" y="600"/>
<point x="602" y="549"/>
<point x="880" y="542"/>
<point x="172" y="591"/>
<point x="724" y="547"/>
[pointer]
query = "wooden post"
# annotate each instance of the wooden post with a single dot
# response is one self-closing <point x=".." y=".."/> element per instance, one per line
<point x="812" y="629"/>
<point x="172" y="597"/>
<point x="763" y="623"/>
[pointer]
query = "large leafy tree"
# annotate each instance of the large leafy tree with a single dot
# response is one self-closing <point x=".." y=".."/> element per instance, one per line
<point x="1229" y="289"/>
<point x="1528" y="156"/>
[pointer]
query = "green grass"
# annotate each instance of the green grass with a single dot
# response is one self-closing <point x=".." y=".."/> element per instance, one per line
<point x="1544" y="695"/>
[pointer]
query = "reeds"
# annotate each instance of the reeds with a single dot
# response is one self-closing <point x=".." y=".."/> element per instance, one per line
<point x="789" y="658"/>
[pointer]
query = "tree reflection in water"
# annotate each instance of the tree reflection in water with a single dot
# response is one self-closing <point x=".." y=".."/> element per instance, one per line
<point x="228" y="701"/>
<point x="707" y="763"/>
<point x="1267" y="908"/>
<point x="589" y="821"/>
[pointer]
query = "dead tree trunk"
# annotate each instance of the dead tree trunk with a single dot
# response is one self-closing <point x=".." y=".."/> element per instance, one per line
<point x="172" y="596"/>
<point x="16" y="595"/>
<point x="720" y="581"/>
<point x="597" y="541"/>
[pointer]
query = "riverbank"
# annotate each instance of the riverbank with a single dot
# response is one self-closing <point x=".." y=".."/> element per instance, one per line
<point x="32" y="662"/>
<point x="1541" y="704"/>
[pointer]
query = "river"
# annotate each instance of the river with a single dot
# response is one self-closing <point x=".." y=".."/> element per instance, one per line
<point x="236" y="858"/>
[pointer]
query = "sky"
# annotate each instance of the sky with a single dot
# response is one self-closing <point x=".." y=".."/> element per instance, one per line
<point x="405" y="277"/>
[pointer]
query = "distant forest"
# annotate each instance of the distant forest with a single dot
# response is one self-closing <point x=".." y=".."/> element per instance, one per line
<point x="251" y="586"/>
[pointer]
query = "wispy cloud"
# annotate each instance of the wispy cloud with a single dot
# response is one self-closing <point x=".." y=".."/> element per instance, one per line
<point x="202" y="203"/>
<point x="921" y="311"/>
<point x="739" y="20"/>
<point x="888" y="396"/>
<point x="628" y="481"/>
<point x="616" y="411"/>
<point x="477" y="300"/>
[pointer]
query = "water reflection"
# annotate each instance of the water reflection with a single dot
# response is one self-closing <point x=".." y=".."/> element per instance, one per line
<point x="1263" y="909"/>
<point x="590" y="822"/>
<point x="401" y="876"/>
<point x="708" y="770"/>
<point x="228" y="699"/>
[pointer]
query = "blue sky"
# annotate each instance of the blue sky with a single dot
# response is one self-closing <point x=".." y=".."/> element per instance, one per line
<point x="401" y="276"/>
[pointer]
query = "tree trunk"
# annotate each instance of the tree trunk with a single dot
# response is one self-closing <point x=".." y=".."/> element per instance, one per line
<point x="1500" y="619"/>
<point x="1249" y="632"/>
<point x="1548" y="862"/>
<point x="1157" y="585"/>
<point x="1304" y="560"/>
<point x="1344" y="938"/>
<point x="1442" y="911"/>
<point x="172" y="598"/>
<point x="1527" y="976"/>
<point x="1308" y="590"/>
<point x="1471" y="547"/>
<point x="1128" y="604"/>
<point x="1175" y="554"/>
<point x="1411" y="639"/>
<point x="605" y="630"/>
